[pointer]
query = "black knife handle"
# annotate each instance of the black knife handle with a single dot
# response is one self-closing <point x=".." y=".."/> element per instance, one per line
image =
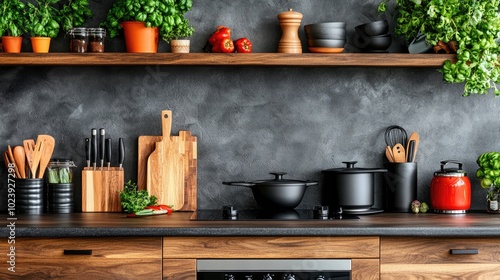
<point x="108" y="149"/>
<point x="121" y="152"/>
<point x="93" y="146"/>
<point x="87" y="151"/>
<point x="102" y="137"/>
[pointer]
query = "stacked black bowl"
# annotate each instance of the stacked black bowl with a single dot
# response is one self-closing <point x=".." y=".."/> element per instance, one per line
<point x="329" y="37"/>
<point x="373" y="36"/>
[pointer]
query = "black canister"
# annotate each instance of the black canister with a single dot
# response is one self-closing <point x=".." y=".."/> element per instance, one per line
<point x="30" y="196"/>
<point x="400" y="186"/>
<point x="60" y="198"/>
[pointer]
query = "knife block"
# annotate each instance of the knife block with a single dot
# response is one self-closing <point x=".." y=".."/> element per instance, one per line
<point x="101" y="189"/>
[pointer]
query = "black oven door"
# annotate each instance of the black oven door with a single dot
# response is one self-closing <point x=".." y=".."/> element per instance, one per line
<point x="271" y="269"/>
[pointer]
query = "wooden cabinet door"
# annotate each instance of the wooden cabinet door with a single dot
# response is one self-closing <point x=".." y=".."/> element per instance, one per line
<point x="85" y="258"/>
<point x="433" y="258"/>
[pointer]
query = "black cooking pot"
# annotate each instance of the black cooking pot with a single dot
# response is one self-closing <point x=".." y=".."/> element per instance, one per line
<point x="351" y="188"/>
<point x="277" y="193"/>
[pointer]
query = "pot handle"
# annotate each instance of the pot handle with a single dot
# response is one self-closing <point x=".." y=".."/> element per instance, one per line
<point x="311" y="183"/>
<point x="445" y="162"/>
<point x="240" y="184"/>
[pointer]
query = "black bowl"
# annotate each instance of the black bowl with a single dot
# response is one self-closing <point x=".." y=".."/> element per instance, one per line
<point x="374" y="28"/>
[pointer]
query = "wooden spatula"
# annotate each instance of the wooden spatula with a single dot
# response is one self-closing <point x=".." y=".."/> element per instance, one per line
<point x="29" y="150"/>
<point x="388" y="154"/>
<point x="415" y="137"/>
<point x="47" y="150"/>
<point x="398" y="151"/>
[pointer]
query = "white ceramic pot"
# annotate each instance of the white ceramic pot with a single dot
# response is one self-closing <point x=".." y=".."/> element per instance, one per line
<point x="179" y="46"/>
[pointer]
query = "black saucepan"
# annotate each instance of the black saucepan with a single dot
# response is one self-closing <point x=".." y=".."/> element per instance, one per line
<point x="278" y="193"/>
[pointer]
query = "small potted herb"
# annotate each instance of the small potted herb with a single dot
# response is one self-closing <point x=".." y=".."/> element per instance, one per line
<point x="12" y="23"/>
<point x="148" y="15"/>
<point x="42" y="23"/>
<point x="178" y="36"/>
<point x="470" y="26"/>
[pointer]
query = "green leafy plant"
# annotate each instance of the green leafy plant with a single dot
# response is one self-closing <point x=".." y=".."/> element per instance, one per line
<point x="43" y="18"/>
<point x="489" y="172"/>
<point x="133" y="200"/>
<point x="473" y="24"/>
<point x="167" y="15"/>
<point x="74" y="13"/>
<point x="12" y="17"/>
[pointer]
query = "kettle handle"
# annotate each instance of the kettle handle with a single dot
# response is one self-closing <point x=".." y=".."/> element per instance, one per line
<point x="445" y="162"/>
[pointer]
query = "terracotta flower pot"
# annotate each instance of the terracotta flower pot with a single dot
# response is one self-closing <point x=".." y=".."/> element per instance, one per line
<point x="139" y="38"/>
<point x="40" y="44"/>
<point x="179" y="46"/>
<point x="12" y="44"/>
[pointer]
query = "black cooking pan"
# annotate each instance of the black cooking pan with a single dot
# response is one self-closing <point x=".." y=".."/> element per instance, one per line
<point x="278" y="193"/>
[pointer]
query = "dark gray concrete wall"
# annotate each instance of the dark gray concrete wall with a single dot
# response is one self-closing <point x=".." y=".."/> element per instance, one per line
<point x="253" y="120"/>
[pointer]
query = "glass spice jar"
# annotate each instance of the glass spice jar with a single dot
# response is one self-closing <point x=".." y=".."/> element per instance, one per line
<point x="79" y="40"/>
<point x="96" y="39"/>
<point x="60" y="171"/>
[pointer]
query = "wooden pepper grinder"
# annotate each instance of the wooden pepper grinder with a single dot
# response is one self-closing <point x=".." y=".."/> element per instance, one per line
<point x="290" y="23"/>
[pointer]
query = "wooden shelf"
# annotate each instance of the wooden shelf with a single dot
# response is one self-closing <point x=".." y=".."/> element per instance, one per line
<point x="232" y="59"/>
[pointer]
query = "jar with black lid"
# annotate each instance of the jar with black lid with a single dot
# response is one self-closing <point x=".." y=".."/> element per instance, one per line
<point x="79" y="39"/>
<point x="96" y="39"/>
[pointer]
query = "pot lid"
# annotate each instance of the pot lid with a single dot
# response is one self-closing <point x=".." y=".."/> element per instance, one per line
<point x="278" y="180"/>
<point x="451" y="172"/>
<point x="351" y="169"/>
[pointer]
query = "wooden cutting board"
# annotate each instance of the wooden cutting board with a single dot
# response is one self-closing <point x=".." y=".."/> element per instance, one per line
<point x="165" y="168"/>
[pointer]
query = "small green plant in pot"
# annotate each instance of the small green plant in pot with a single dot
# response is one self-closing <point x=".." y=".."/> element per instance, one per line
<point x="74" y="13"/>
<point x="42" y="23"/>
<point x="473" y="24"/>
<point x="12" y="23"/>
<point x="166" y="15"/>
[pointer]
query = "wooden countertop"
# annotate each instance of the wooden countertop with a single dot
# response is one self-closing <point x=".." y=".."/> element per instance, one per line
<point x="179" y="224"/>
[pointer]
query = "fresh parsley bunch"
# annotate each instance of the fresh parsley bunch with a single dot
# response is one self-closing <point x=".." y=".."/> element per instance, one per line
<point x="133" y="200"/>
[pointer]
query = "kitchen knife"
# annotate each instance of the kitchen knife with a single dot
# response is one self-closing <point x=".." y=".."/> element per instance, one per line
<point x="93" y="148"/>
<point x="102" y="137"/>
<point x="87" y="151"/>
<point x="108" y="152"/>
<point x="121" y="153"/>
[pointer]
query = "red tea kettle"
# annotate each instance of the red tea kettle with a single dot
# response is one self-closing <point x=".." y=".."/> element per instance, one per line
<point x="450" y="189"/>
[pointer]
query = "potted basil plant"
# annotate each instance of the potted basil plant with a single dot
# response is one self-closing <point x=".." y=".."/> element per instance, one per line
<point x="42" y="23"/>
<point x="471" y="27"/>
<point x="155" y="18"/>
<point x="12" y="22"/>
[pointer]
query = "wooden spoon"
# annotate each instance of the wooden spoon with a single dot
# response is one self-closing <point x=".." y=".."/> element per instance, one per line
<point x="20" y="159"/>
<point x="398" y="151"/>
<point x="413" y="136"/>
<point x="29" y="150"/>
<point x="10" y="156"/>
<point x="37" y="154"/>
<point x="388" y="154"/>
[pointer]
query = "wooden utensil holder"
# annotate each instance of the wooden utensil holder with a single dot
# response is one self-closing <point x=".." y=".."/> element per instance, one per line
<point x="101" y="189"/>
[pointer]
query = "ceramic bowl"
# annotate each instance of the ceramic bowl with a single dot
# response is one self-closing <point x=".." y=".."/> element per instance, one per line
<point x="327" y="25"/>
<point x="374" y="28"/>
<point x="325" y="33"/>
<point x="374" y="43"/>
<point x="326" y="43"/>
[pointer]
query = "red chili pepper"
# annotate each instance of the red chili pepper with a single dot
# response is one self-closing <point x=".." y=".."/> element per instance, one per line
<point x="221" y="32"/>
<point x="223" y="46"/>
<point x="243" y="45"/>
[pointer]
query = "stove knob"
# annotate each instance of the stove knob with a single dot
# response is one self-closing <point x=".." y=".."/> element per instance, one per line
<point x="267" y="277"/>
<point x="229" y="277"/>
<point x="289" y="277"/>
<point x="320" y="277"/>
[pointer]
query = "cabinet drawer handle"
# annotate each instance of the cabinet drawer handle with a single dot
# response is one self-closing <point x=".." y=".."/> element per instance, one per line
<point x="464" y="251"/>
<point x="78" y="252"/>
